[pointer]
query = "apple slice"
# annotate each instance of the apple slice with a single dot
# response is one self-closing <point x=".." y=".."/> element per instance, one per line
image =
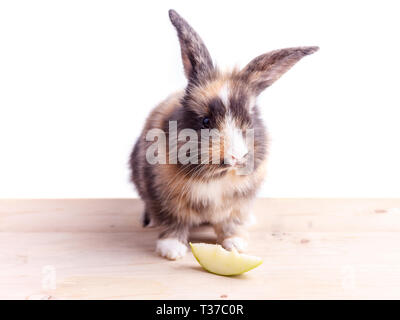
<point x="216" y="259"/>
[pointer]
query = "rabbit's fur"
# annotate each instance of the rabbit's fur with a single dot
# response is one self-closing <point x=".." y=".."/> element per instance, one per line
<point x="180" y="196"/>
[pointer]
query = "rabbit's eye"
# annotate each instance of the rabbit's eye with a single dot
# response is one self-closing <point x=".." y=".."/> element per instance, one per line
<point x="206" y="122"/>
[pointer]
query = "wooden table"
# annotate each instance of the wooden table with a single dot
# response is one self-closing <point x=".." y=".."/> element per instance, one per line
<point x="96" y="249"/>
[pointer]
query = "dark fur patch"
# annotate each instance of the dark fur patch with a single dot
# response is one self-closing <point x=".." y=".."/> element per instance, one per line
<point x="146" y="219"/>
<point x="217" y="112"/>
<point x="195" y="56"/>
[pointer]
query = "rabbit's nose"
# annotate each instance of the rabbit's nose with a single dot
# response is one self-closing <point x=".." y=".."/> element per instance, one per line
<point x="235" y="161"/>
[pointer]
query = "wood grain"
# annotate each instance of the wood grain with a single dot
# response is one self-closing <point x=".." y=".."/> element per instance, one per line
<point x="96" y="249"/>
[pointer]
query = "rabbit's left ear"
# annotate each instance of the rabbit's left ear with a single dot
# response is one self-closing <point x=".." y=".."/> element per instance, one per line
<point x="264" y="70"/>
<point x="196" y="59"/>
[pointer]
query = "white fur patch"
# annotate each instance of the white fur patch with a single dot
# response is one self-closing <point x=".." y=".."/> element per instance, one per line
<point x="206" y="191"/>
<point x="213" y="191"/>
<point x="224" y="94"/>
<point x="237" y="146"/>
<point x="252" y="104"/>
<point x="171" y="248"/>
<point x="235" y="242"/>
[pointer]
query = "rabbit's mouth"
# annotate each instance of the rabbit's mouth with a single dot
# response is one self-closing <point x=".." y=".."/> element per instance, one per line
<point x="224" y="168"/>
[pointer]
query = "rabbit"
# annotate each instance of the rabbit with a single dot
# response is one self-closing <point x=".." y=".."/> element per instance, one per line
<point x="179" y="196"/>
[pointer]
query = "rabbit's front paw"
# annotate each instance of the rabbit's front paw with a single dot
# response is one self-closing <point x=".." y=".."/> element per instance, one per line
<point x="171" y="248"/>
<point x="238" y="243"/>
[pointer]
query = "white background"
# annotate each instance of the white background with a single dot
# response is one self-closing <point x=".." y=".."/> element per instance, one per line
<point x="77" y="79"/>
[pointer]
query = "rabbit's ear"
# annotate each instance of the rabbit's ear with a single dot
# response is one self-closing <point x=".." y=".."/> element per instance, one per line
<point x="264" y="70"/>
<point x="196" y="59"/>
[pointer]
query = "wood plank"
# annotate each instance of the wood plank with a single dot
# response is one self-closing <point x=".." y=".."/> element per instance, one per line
<point x="312" y="248"/>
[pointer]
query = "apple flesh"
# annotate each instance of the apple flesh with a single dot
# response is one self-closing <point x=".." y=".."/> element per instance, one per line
<point x="216" y="259"/>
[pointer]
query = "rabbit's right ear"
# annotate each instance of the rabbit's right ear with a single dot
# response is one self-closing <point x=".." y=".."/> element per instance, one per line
<point x="196" y="59"/>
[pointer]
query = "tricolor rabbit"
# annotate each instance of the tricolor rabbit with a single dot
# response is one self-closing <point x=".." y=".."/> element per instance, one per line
<point x="179" y="194"/>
